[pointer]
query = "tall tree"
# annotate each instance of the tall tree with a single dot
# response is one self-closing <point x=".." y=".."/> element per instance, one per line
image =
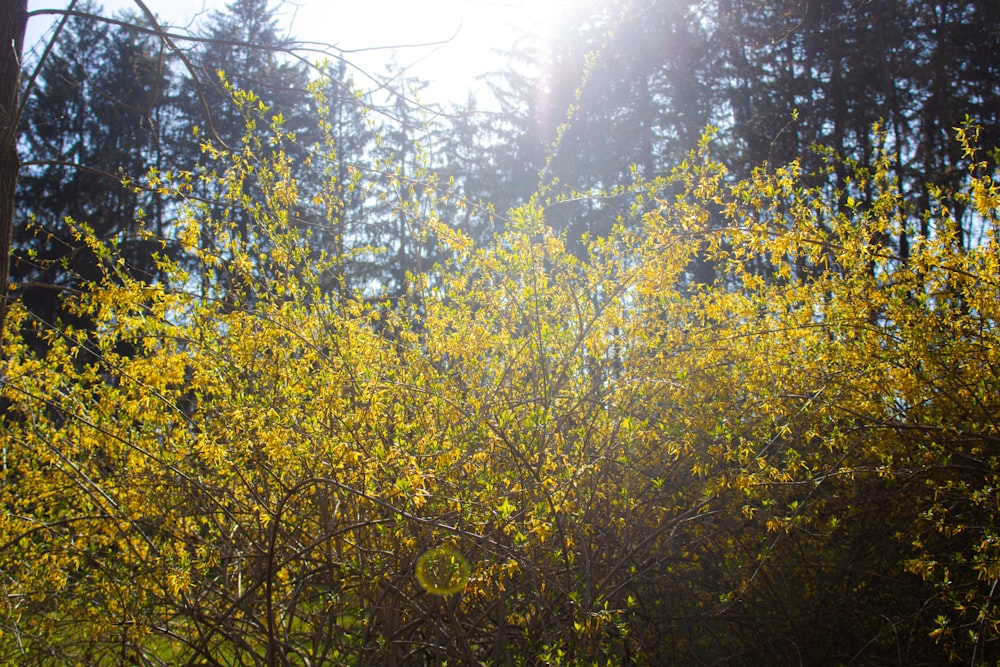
<point x="94" y="122"/>
<point x="241" y="54"/>
<point x="606" y="93"/>
<point x="338" y="156"/>
<point x="395" y="239"/>
<point x="13" y="21"/>
<point x="777" y="79"/>
<point x="244" y="43"/>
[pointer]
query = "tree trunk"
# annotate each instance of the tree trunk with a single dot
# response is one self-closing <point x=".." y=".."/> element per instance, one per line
<point x="13" y="20"/>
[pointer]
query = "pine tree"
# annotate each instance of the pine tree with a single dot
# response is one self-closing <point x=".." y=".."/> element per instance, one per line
<point x="95" y="122"/>
<point x="243" y="53"/>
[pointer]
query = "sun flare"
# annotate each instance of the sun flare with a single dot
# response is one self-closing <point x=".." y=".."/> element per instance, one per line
<point x="448" y="42"/>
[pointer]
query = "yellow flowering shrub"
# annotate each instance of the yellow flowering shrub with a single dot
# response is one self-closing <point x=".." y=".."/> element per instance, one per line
<point x="620" y="462"/>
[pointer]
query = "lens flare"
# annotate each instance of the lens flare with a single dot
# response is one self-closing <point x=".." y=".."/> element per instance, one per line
<point x="442" y="571"/>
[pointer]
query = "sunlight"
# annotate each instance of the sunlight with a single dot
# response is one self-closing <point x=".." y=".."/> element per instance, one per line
<point x="448" y="42"/>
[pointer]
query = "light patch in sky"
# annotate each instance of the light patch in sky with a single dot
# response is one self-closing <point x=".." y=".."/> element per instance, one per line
<point x="446" y="42"/>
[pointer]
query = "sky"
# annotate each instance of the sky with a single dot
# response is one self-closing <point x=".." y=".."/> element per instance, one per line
<point x="474" y="31"/>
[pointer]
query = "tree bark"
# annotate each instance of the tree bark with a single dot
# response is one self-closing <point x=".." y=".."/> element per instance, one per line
<point x="13" y="21"/>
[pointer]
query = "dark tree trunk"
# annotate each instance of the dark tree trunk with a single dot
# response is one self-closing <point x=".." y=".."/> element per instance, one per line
<point x="13" y="20"/>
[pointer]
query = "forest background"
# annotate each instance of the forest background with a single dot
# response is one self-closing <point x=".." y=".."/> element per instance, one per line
<point x="675" y="344"/>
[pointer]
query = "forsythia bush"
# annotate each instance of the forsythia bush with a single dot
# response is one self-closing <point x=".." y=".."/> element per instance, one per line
<point x="794" y="462"/>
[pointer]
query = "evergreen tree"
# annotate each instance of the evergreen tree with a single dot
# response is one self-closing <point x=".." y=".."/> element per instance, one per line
<point x="93" y="124"/>
<point x="394" y="242"/>
<point x="599" y="97"/>
<point x="246" y="46"/>
<point x="777" y="79"/>
<point x="337" y="160"/>
<point x="243" y="54"/>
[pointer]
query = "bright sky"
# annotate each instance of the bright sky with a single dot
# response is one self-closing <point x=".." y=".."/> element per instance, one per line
<point x="476" y="28"/>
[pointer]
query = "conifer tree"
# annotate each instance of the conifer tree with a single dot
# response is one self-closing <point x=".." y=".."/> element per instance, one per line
<point x="94" y="124"/>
